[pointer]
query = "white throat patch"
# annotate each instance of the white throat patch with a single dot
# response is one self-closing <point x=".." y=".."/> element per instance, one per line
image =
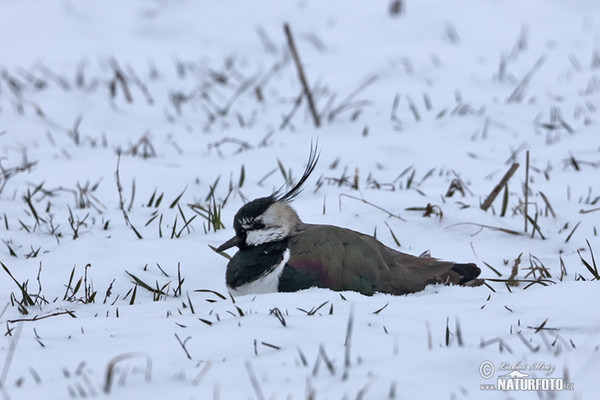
<point x="266" y="283"/>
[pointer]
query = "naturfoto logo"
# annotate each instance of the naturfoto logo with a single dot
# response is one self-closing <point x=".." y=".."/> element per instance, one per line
<point x="517" y="376"/>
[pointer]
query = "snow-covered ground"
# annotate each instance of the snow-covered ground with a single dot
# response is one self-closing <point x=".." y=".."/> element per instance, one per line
<point x="203" y="103"/>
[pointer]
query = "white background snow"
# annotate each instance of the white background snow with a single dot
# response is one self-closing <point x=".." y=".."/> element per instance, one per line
<point x="443" y="91"/>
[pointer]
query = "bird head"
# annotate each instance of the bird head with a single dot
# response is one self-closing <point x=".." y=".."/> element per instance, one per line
<point x="269" y="219"/>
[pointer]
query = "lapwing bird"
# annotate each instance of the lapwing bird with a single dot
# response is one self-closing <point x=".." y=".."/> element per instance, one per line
<point x="280" y="253"/>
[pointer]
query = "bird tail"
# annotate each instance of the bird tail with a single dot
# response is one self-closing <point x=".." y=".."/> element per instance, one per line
<point x="468" y="274"/>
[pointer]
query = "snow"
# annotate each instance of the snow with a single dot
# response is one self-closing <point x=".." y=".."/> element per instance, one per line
<point x="444" y="91"/>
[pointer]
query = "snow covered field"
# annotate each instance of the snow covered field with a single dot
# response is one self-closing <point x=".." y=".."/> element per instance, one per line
<point x="132" y="132"/>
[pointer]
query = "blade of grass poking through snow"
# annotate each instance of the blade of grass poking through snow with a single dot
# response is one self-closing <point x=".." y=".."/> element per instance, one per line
<point x="539" y="328"/>
<point x="133" y="294"/>
<point x="121" y="201"/>
<point x="459" y="337"/>
<point x="222" y="253"/>
<point x="536" y="227"/>
<point x="393" y="235"/>
<point x="149" y="288"/>
<point x="504" y="201"/>
<point x="111" y="370"/>
<point x="279" y="315"/>
<point x="211" y="291"/>
<point x="10" y="354"/>
<point x="514" y="282"/>
<point x="381" y="309"/>
<point x="242" y="177"/>
<point x="592" y="268"/>
<point x="548" y="206"/>
<point x="349" y="102"/>
<point x="313" y="310"/>
<point x="348" y="343"/>
<point x="23" y="287"/>
<point x="429" y="338"/>
<point x="492" y="268"/>
<point x="254" y="381"/>
<point x="176" y="201"/>
<point x="519" y="92"/>
<point x="572" y="232"/>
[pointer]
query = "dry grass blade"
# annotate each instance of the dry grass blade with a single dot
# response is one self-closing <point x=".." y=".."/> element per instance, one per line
<point x="348" y="342"/>
<point x="121" y="201"/>
<point x="572" y="232"/>
<point x="9" y="354"/>
<point x="272" y="346"/>
<point x="514" y="271"/>
<point x="519" y="92"/>
<point x="527" y="192"/>
<point x="301" y="77"/>
<point x="582" y="211"/>
<point x="543" y="282"/>
<point x="348" y="102"/>
<point x="313" y="310"/>
<point x="536" y="227"/>
<point x="279" y="315"/>
<point x="202" y="373"/>
<point x="539" y="328"/>
<point x="496" y="190"/>
<point x="548" y="206"/>
<point x="369" y="203"/>
<point x="381" y="309"/>
<point x="254" y="381"/>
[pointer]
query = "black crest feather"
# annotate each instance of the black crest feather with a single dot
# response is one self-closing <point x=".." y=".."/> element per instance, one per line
<point x="313" y="159"/>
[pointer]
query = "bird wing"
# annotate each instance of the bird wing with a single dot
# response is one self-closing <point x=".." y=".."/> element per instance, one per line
<point x="342" y="259"/>
<point x="331" y="257"/>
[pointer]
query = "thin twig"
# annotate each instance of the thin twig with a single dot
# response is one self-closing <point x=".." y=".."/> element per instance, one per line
<point x="182" y="344"/>
<point x="37" y="317"/>
<point x="369" y="203"/>
<point x="311" y="104"/>
<point x="494" y="228"/>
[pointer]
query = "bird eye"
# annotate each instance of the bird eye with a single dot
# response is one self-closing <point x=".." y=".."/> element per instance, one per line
<point x="258" y="225"/>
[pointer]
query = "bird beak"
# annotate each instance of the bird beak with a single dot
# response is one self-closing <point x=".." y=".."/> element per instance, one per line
<point x="234" y="241"/>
